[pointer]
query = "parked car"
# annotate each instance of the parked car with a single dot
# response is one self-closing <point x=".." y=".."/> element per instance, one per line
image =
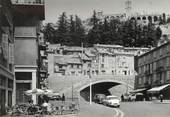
<point x="136" y="97"/>
<point x="132" y="97"/>
<point x="112" y="100"/>
<point x="55" y="97"/>
<point x="98" y="98"/>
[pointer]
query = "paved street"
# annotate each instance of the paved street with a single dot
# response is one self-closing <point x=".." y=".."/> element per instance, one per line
<point x="127" y="109"/>
<point x="96" y="110"/>
<point x="145" y="109"/>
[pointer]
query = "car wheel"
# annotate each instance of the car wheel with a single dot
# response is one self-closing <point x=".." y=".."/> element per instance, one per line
<point x="118" y="106"/>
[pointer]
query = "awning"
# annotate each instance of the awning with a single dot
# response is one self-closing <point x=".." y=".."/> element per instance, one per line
<point x="138" y="90"/>
<point x="158" y="89"/>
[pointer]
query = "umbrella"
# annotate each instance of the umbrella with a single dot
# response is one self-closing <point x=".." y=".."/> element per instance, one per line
<point x="48" y="92"/>
<point x="34" y="91"/>
<point x="139" y="93"/>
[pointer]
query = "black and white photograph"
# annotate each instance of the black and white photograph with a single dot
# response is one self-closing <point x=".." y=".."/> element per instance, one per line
<point x="84" y="58"/>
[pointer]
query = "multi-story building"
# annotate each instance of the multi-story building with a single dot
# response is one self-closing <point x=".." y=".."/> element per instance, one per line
<point x="100" y="60"/>
<point x="153" y="70"/>
<point x="6" y="55"/>
<point x="116" y="60"/>
<point x="28" y="15"/>
<point x="42" y="62"/>
<point x="72" y="61"/>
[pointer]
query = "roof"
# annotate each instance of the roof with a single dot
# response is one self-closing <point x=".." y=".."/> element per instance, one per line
<point x="111" y="46"/>
<point x="154" y="49"/>
<point x="67" y="59"/>
<point x="103" y="51"/>
<point x="158" y="89"/>
<point x="88" y="53"/>
<point x="138" y="90"/>
<point x="84" y="57"/>
<point x="73" y="48"/>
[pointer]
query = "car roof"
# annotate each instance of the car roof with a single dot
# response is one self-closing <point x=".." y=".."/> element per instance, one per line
<point x="99" y="94"/>
<point x="111" y="96"/>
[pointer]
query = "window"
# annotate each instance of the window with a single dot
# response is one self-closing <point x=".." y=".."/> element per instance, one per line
<point x="60" y="67"/>
<point x="72" y="66"/>
<point x="10" y="83"/>
<point x="73" y="73"/>
<point x="125" y="72"/>
<point x="113" y="72"/>
<point x="103" y="71"/>
<point x="2" y="81"/>
<point x="102" y="66"/>
<point x="97" y="72"/>
<point x="23" y="75"/>
<point x="139" y="80"/>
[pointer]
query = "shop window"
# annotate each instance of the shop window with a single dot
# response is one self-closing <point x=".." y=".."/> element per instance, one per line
<point x="9" y="98"/>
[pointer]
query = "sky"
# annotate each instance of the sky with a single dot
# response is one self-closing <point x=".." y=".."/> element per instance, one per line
<point x="84" y="8"/>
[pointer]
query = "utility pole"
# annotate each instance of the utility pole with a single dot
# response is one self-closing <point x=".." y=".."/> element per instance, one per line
<point x="72" y="89"/>
<point x="82" y="57"/>
<point x="90" y="87"/>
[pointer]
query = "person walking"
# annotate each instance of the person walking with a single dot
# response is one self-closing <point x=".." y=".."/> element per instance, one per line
<point x="161" y="97"/>
<point x="122" y="98"/>
<point x="63" y="98"/>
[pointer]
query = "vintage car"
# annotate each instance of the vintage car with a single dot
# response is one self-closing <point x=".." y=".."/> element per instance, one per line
<point x="112" y="100"/>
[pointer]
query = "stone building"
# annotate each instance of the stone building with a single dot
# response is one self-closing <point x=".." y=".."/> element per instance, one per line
<point x="153" y="71"/>
<point x="116" y="60"/>
<point x="6" y="55"/>
<point x="28" y="17"/>
<point x="99" y="60"/>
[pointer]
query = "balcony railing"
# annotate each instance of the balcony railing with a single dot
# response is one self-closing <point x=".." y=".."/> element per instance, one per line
<point x="28" y="2"/>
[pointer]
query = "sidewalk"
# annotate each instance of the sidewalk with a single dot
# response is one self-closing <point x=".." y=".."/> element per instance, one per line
<point x="86" y="110"/>
<point x="158" y="101"/>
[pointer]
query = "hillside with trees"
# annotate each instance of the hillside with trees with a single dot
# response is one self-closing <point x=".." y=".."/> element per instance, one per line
<point x="70" y="31"/>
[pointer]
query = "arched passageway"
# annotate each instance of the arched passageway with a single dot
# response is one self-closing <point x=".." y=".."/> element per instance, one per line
<point x="100" y="87"/>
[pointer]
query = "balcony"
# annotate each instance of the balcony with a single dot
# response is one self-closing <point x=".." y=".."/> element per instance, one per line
<point x="29" y="7"/>
<point x="28" y="2"/>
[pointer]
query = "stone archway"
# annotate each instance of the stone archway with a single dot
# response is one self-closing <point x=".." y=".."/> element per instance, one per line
<point x="101" y="87"/>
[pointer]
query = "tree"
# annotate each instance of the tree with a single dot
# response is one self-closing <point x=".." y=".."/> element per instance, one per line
<point x="49" y="33"/>
<point x="72" y="35"/>
<point x="79" y="31"/>
<point x="94" y="36"/>
<point x="62" y="31"/>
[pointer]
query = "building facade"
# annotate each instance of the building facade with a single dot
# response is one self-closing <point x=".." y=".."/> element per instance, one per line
<point x="28" y="16"/>
<point x="153" y="69"/>
<point x="116" y="60"/>
<point x="6" y="55"/>
<point x="99" y="60"/>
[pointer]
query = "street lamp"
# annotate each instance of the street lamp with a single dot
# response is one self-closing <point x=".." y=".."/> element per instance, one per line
<point x="72" y="89"/>
<point x="90" y="87"/>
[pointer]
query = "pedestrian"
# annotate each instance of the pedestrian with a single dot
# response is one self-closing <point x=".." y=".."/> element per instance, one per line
<point x="122" y="98"/>
<point x="63" y="98"/>
<point x="161" y="97"/>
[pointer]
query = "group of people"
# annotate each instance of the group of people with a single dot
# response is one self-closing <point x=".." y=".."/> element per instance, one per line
<point x="43" y="104"/>
<point x="129" y="98"/>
